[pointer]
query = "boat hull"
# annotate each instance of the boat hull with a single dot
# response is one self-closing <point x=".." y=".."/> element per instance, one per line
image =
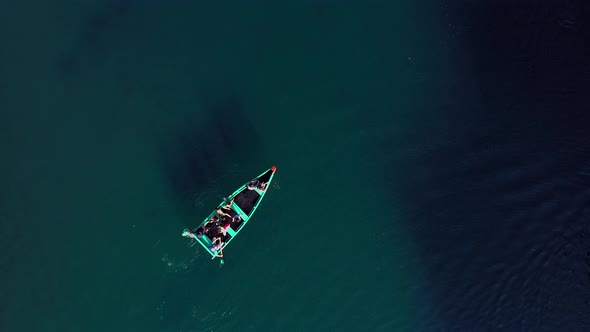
<point x="231" y="215"/>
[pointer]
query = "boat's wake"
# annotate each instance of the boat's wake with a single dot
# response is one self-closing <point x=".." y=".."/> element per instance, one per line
<point x="178" y="266"/>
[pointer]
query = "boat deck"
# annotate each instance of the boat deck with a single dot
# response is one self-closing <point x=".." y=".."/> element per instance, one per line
<point x="248" y="199"/>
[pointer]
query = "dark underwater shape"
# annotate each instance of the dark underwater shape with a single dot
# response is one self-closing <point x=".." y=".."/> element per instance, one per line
<point x="498" y="202"/>
<point x="204" y="149"/>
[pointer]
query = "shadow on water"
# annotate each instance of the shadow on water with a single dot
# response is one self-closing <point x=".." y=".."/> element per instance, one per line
<point x="218" y="137"/>
<point x="208" y="145"/>
<point x="498" y="202"/>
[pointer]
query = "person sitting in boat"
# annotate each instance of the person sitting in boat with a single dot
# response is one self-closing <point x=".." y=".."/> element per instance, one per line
<point x="262" y="186"/>
<point x="199" y="232"/>
<point x="228" y="203"/>
<point x="253" y="184"/>
<point x="221" y="213"/>
<point x="214" y="220"/>
<point x="216" y="244"/>
<point x="256" y="184"/>
<point x="223" y="230"/>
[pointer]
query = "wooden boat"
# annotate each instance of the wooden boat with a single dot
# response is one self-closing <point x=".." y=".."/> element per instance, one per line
<point x="225" y="222"/>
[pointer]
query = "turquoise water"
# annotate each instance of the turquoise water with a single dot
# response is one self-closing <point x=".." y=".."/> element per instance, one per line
<point x="125" y="122"/>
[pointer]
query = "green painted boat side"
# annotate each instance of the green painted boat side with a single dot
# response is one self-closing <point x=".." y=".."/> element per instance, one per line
<point x="205" y="241"/>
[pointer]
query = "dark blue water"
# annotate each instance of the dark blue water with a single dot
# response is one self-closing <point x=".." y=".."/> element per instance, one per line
<point x="497" y="191"/>
<point x="433" y="165"/>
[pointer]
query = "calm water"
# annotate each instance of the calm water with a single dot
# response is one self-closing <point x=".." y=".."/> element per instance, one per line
<point x="433" y="165"/>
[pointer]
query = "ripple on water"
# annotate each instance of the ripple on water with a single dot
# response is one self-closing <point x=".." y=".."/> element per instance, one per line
<point x="505" y="231"/>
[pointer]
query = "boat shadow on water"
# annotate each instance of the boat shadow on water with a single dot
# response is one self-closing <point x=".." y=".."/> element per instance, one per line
<point x="207" y="146"/>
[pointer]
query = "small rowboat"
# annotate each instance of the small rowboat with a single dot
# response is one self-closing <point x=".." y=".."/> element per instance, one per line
<point x="231" y="216"/>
